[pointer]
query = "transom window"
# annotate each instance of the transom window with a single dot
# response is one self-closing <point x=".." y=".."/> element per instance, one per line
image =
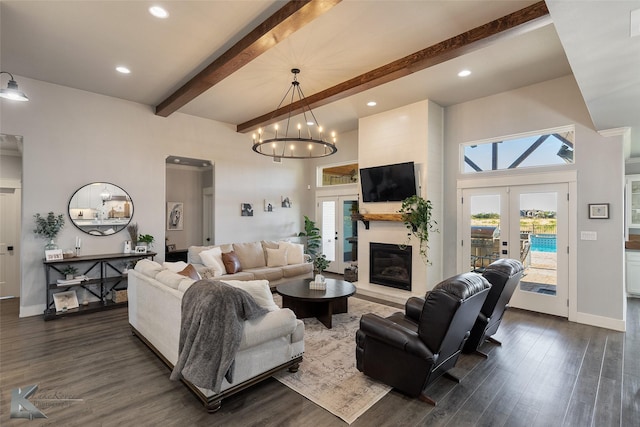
<point x="521" y="151"/>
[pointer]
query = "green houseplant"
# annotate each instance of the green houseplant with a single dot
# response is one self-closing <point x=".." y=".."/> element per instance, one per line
<point x="69" y="272"/>
<point x="146" y="239"/>
<point x="417" y="217"/>
<point x="320" y="263"/>
<point x="48" y="227"/>
<point x="313" y="237"/>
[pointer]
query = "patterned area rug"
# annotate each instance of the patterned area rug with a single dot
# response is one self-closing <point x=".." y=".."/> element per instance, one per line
<point x="328" y="375"/>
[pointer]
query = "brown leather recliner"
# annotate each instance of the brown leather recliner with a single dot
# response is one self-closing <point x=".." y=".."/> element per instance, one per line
<point x="410" y="350"/>
<point x="504" y="276"/>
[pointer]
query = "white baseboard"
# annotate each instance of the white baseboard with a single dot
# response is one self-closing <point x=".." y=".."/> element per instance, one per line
<point x="32" y="310"/>
<point x="601" y="322"/>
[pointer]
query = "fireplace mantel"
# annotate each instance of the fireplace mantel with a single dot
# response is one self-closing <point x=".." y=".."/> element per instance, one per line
<point x="367" y="217"/>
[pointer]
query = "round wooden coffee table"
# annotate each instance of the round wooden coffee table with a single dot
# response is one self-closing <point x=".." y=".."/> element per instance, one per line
<point x="322" y="305"/>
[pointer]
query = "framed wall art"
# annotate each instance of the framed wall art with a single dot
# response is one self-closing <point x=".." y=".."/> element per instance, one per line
<point x="175" y="217"/>
<point x="598" y="210"/>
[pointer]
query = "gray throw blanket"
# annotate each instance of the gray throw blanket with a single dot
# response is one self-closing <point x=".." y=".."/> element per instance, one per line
<point x="213" y="315"/>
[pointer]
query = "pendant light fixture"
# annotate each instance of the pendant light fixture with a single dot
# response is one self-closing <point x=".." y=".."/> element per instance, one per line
<point x="12" y="92"/>
<point x="303" y="140"/>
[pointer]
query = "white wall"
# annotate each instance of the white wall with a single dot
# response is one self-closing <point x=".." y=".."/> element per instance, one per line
<point x="184" y="184"/>
<point x="73" y="137"/>
<point x="600" y="167"/>
<point x="409" y="133"/>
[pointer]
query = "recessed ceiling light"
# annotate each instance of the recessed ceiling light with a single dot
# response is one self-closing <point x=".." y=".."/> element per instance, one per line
<point x="158" y="12"/>
<point x="123" y="70"/>
<point x="372" y="103"/>
<point x="464" y="73"/>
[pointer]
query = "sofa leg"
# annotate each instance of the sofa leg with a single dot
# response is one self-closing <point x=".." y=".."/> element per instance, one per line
<point x="493" y="340"/>
<point x="213" y="406"/>
<point x="294" y="368"/>
<point x="423" y="397"/>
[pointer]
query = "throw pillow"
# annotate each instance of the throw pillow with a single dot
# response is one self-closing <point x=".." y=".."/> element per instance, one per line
<point x="191" y="272"/>
<point x="213" y="258"/>
<point x="250" y="254"/>
<point x="295" y="252"/>
<point x="259" y="290"/>
<point x="231" y="262"/>
<point x="276" y="257"/>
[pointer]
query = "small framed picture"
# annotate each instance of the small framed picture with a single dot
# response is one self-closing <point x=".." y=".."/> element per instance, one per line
<point x="141" y="249"/>
<point x="175" y="218"/>
<point x="53" y="254"/>
<point x="246" y="209"/>
<point x="285" y="201"/>
<point x="171" y="248"/>
<point x="268" y="205"/>
<point x="65" y="300"/>
<point x="598" y="210"/>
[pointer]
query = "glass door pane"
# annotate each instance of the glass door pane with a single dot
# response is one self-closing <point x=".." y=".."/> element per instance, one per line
<point x="349" y="232"/>
<point x="328" y="229"/>
<point x="485" y="230"/>
<point x="538" y="242"/>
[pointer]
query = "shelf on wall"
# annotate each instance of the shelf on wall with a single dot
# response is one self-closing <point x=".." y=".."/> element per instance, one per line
<point x="368" y="217"/>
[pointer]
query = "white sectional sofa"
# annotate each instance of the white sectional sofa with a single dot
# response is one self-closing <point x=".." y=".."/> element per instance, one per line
<point x="274" y="261"/>
<point x="269" y="344"/>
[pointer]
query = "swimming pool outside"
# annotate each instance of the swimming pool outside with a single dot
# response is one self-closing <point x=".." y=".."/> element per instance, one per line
<point x="543" y="243"/>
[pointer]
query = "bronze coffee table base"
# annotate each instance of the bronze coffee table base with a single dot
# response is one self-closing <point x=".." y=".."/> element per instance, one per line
<point x="322" y="305"/>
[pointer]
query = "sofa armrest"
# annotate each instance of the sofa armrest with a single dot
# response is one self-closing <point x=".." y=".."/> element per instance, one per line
<point x="274" y="324"/>
<point x="413" y="308"/>
<point x="394" y="335"/>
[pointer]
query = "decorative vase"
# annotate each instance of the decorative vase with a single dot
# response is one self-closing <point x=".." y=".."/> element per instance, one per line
<point x="50" y="246"/>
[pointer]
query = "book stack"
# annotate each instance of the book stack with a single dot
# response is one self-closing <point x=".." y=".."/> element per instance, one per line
<point x="75" y="281"/>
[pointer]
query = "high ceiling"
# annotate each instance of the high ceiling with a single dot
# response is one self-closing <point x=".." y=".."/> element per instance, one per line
<point x="79" y="44"/>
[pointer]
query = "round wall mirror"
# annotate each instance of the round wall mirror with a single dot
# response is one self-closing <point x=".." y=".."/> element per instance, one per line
<point x="100" y="209"/>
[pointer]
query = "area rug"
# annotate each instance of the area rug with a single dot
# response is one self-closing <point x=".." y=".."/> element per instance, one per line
<point x="328" y="375"/>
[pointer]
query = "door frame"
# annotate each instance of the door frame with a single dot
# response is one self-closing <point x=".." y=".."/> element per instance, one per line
<point x="524" y="179"/>
<point x="338" y="265"/>
<point x="16" y="185"/>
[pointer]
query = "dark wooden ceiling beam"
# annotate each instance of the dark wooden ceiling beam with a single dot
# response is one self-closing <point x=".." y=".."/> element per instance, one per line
<point x="516" y="23"/>
<point x="287" y="20"/>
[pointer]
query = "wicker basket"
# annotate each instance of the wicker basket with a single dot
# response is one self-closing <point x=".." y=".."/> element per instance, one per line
<point x="118" y="295"/>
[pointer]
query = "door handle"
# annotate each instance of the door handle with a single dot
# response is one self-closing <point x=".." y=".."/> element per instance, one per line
<point x="9" y="248"/>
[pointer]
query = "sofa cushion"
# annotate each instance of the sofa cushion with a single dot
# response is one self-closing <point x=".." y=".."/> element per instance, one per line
<point x="191" y="272"/>
<point x="174" y="266"/>
<point x="268" y="244"/>
<point x="258" y="289"/>
<point x="231" y="262"/>
<point x="276" y="257"/>
<point x="297" y="269"/>
<point x="212" y="258"/>
<point x="148" y="267"/>
<point x="295" y="252"/>
<point x="251" y="254"/>
<point x="266" y="273"/>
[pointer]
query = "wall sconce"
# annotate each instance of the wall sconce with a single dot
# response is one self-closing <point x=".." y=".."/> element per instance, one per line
<point x="12" y="92"/>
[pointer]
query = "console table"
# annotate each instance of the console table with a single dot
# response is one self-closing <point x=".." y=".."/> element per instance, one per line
<point x="101" y="270"/>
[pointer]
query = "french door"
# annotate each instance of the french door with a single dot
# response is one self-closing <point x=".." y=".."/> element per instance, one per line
<point x="339" y="233"/>
<point x="528" y="223"/>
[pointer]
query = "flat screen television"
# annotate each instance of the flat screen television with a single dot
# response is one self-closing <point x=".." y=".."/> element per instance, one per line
<point x="390" y="183"/>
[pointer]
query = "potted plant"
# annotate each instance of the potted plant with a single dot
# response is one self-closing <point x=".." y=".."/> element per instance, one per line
<point x="69" y="272"/>
<point x="48" y="227"/>
<point x="147" y="239"/>
<point x="312" y="233"/>
<point x="417" y="217"/>
<point x="320" y="263"/>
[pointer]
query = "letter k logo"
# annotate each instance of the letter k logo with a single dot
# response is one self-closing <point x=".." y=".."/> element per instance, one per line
<point x="21" y="407"/>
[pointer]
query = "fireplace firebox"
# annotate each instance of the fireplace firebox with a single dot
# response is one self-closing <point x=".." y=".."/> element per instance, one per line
<point x="390" y="265"/>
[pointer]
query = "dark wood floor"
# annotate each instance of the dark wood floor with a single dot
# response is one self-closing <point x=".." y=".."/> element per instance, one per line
<point x="549" y="372"/>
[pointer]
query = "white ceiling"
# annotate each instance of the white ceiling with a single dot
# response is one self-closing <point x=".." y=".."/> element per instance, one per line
<point x="79" y="44"/>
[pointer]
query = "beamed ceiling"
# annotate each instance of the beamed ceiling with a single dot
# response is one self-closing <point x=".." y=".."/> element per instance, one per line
<point x="230" y="61"/>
